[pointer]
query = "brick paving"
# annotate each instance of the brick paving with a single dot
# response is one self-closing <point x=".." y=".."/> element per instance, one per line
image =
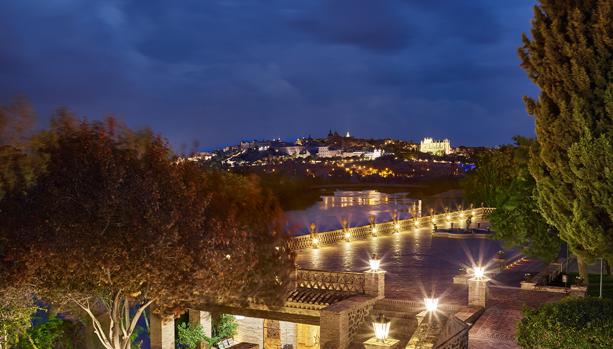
<point x="497" y="327"/>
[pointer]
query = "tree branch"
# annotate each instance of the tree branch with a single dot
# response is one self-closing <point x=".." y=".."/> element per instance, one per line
<point x="134" y="322"/>
<point x="95" y="323"/>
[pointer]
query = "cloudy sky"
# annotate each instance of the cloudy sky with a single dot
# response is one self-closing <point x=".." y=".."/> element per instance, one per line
<point x="218" y="71"/>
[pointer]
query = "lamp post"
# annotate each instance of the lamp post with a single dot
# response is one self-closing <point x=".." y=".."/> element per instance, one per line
<point x="374" y="262"/>
<point x="373" y="224"/>
<point x="478" y="288"/>
<point x="313" y="233"/>
<point x="395" y="220"/>
<point x="479" y="272"/>
<point x="600" y="294"/>
<point x="431" y="304"/>
<point x="381" y="325"/>
<point x="345" y="225"/>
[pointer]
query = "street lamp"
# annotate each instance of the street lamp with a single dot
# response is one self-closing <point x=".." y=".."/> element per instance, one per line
<point x="314" y="239"/>
<point x="345" y="224"/>
<point x="381" y="326"/>
<point x="431" y="304"/>
<point x="373" y="224"/>
<point x="479" y="273"/>
<point x="374" y="262"/>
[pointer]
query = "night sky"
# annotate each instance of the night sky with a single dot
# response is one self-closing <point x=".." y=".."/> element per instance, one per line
<point x="217" y="72"/>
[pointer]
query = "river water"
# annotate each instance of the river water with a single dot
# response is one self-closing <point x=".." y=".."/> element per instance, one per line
<point x="355" y="206"/>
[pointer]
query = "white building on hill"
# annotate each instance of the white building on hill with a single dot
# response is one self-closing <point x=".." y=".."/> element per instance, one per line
<point x="428" y="145"/>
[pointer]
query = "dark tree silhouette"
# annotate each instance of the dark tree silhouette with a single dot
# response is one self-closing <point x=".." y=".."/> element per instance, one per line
<point x="115" y="220"/>
<point x="569" y="57"/>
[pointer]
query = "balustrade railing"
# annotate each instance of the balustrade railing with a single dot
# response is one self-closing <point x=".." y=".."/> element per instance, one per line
<point x="386" y="228"/>
<point x="329" y="280"/>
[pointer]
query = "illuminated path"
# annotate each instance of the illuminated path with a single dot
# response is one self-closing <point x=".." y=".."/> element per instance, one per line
<point x="415" y="262"/>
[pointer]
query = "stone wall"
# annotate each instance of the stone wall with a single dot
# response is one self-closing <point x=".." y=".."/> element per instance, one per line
<point x="341" y="321"/>
<point x="250" y="330"/>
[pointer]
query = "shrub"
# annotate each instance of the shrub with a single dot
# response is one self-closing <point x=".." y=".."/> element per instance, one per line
<point x="52" y="332"/>
<point x="189" y="335"/>
<point x="571" y="323"/>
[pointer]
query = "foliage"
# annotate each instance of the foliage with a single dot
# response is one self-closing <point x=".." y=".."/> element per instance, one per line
<point x="190" y="335"/>
<point x="593" y="287"/>
<point x="293" y="193"/>
<point x="52" y="332"/>
<point x="115" y="223"/>
<point x="16" y="309"/>
<point x="225" y="327"/>
<point x="568" y="56"/>
<point x="571" y="323"/>
<point x="502" y="180"/>
<point x="19" y="165"/>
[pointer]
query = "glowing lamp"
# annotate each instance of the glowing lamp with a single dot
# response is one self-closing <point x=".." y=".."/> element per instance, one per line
<point x="315" y="242"/>
<point x="397" y="226"/>
<point x="347" y="236"/>
<point x="381" y="326"/>
<point x="374" y="231"/>
<point x="479" y="272"/>
<point x="431" y="304"/>
<point x="374" y="263"/>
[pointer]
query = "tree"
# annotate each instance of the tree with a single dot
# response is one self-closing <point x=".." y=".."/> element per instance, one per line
<point x="568" y="324"/>
<point x="16" y="309"/>
<point x="502" y="180"/>
<point x="116" y="223"/>
<point x="19" y="164"/>
<point x="18" y="169"/>
<point x="569" y="58"/>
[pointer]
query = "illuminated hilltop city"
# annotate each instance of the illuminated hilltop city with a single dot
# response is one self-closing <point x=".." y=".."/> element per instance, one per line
<point x="345" y="157"/>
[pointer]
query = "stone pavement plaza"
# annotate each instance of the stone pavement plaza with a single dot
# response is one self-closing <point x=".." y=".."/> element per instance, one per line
<point x="418" y="264"/>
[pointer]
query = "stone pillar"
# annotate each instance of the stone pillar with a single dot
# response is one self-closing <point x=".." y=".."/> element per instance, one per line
<point x="204" y="319"/>
<point x="288" y="333"/>
<point x="334" y="329"/>
<point x="250" y="330"/>
<point x="374" y="284"/>
<point x="419" y="208"/>
<point x="162" y="332"/>
<point x="478" y="291"/>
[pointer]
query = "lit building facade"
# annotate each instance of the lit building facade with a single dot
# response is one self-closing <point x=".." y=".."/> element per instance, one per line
<point x="429" y="145"/>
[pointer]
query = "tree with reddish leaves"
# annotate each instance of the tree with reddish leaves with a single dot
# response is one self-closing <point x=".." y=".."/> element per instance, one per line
<point x="115" y="221"/>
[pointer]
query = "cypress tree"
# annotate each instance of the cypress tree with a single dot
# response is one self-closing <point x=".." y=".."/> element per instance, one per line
<point x="569" y="56"/>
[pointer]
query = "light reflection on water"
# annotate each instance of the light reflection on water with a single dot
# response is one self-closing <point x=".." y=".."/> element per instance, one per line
<point x="356" y="206"/>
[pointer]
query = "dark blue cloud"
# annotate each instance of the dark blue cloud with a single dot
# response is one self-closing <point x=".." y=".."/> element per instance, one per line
<point x="369" y="24"/>
<point x="221" y="71"/>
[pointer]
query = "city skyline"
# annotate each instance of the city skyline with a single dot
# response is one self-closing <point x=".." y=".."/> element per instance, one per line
<point x="219" y="72"/>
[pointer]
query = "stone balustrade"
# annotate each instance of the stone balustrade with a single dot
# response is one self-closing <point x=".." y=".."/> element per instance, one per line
<point x="332" y="281"/>
<point x="387" y="228"/>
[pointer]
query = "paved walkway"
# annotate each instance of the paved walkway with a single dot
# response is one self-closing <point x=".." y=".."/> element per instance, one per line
<point x="497" y="327"/>
<point x="417" y="264"/>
